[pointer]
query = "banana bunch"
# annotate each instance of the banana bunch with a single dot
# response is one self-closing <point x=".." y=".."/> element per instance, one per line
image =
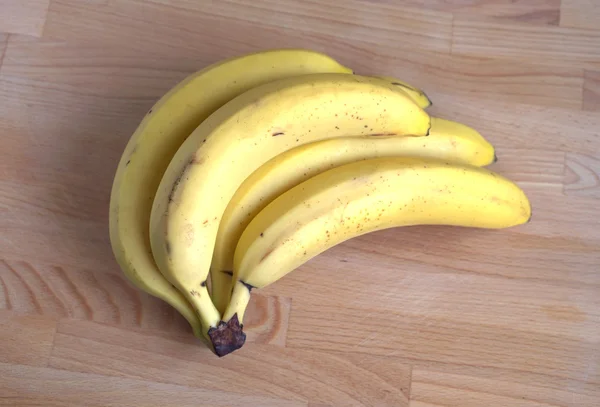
<point x="249" y="168"/>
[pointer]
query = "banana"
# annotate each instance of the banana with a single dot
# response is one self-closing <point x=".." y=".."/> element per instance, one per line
<point x="161" y="133"/>
<point x="415" y="93"/>
<point x="447" y="140"/>
<point x="240" y="137"/>
<point x="363" y="197"/>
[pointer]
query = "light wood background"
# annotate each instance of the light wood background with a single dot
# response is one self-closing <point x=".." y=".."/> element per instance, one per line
<point x="420" y="316"/>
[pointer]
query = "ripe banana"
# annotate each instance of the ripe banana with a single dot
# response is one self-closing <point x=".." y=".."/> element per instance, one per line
<point x="416" y="94"/>
<point x="161" y="133"/>
<point x="362" y="197"/>
<point x="447" y="140"/>
<point x="240" y="137"/>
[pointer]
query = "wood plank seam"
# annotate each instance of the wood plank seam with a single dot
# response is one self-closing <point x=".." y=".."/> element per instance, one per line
<point x="582" y="175"/>
<point x="557" y="44"/>
<point x="591" y="90"/>
<point x="26" y="339"/>
<point x="43" y="27"/>
<point x="59" y="387"/>
<point x="53" y="342"/>
<point x="452" y="33"/>
<point x="410" y="382"/>
<point x="117" y="355"/>
<point x="4" y="48"/>
<point x="24" y="17"/>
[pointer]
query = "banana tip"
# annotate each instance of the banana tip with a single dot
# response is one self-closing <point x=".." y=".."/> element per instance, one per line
<point x="227" y="337"/>
<point x="495" y="158"/>
<point x="429" y="102"/>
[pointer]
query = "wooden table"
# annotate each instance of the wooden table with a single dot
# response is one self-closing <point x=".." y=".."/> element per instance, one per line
<point x="419" y="316"/>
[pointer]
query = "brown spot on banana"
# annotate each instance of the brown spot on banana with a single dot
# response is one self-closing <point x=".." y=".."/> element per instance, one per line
<point x="192" y="161"/>
<point x="381" y="134"/>
<point x="189" y="234"/>
<point x="176" y="184"/>
<point x="131" y="155"/>
<point x="196" y="160"/>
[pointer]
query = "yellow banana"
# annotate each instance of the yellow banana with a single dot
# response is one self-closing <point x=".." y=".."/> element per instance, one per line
<point x="240" y="137"/>
<point x="415" y="93"/>
<point x="447" y="140"/>
<point x="161" y="133"/>
<point x="362" y="197"/>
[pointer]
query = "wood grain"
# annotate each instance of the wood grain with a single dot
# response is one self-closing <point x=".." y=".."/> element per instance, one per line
<point x="561" y="45"/>
<point x="94" y="103"/>
<point x="434" y="338"/>
<point x="107" y="297"/>
<point x="591" y="91"/>
<point x="383" y="24"/>
<point x="259" y="369"/>
<point x="543" y="12"/>
<point x="580" y="13"/>
<point x="27" y="386"/>
<point x="531" y="167"/>
<point x="579" y="226"/>
<point x="453" y="272"/>
<point x="26" y="340"/>
<point x="419" y="316"/>
<point x="267" y="320"/>
<point x="489" y="78"/>
<point x="519" y="81"/>
<point x="262" y="22"/>
<point x="3" y="41"/>
<point x="434" y="388"/>
<point x="53" y="291"/>
<point x="538" y="127"/>
<point x="583" y="177"/>
<point x="23" y="17"/>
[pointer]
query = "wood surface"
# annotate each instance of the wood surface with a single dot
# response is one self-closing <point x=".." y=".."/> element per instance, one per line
<point x="419" y="316"/>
